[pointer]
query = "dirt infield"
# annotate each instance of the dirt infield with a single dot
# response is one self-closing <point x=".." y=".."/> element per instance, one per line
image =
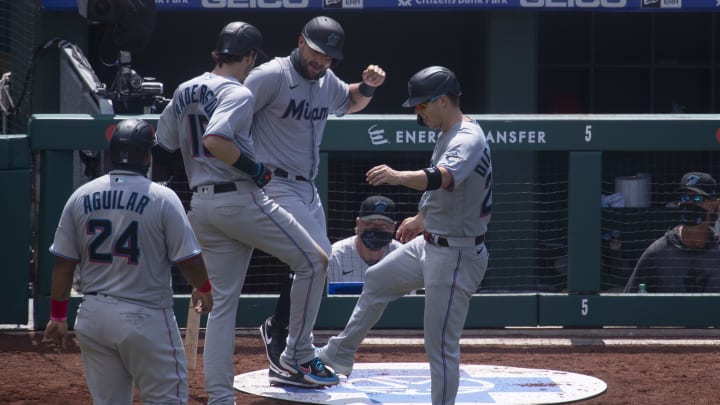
<point x="642" y="374"/>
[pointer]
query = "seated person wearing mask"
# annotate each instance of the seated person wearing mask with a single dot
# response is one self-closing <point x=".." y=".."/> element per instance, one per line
<point x="373" y="240"/>
<point x="687" y="257"/>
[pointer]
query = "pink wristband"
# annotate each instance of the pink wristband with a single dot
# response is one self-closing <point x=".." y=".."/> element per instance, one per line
<point x="205" y="288"/>
<point x="58" y="310"/>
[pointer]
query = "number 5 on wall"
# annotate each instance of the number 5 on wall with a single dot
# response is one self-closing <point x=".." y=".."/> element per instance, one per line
<point x="584" y="306"/>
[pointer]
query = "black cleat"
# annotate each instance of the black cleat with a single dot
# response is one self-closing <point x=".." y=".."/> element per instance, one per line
<point x="274" y="339"/>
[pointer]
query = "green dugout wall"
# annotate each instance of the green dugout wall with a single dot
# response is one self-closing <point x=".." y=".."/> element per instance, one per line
<point x="584" y="138"/>
<point x="15" y="238"/>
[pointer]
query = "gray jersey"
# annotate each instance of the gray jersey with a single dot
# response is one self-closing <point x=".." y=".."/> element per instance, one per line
<point x="345" y="262"/>
<point x="465" y="210"/>
<point x="291" y="114"/>
<point x="667" y="266"/>
<point x="125" y="232"/>
<point x="207" y="105"/>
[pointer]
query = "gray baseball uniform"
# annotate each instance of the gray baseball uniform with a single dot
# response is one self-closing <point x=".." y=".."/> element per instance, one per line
<point x="345" y="262"/>
<point x="125" y="231"/>
<point x="231" y="216"/>
<point x="288" y="125"/>
<point x="450" y="265"/>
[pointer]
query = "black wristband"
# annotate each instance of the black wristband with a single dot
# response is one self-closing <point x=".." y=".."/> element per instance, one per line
<point x="247" y="165"/>
<point x="434" y="178"/>
<point x="366" y="90"/>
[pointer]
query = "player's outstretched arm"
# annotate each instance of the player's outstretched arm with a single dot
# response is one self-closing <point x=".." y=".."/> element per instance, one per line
<point x="415" y="179"/>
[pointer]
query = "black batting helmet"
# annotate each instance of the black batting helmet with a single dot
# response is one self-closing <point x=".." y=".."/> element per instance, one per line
<point x="431" y="82"/>
<point x="325" y="35"/>
<point x="130" y="143"/>
<point x="239" y="38"/>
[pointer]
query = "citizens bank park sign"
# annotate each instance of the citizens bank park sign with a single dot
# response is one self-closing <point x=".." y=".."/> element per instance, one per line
<point x="412" y="5"/>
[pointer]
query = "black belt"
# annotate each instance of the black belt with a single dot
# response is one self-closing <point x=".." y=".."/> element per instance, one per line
<point x="444" y="242"/>
<point x="284" y="174"/>
<point x="95" y="293"/>
<point x="99" y="294"/>
<point x="221" y="188"/>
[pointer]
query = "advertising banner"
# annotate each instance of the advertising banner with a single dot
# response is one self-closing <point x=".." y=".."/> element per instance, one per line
<point x="415" y="5"/>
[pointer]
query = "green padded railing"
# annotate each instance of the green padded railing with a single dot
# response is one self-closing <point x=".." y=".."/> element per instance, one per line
<point x="584" y="137"/>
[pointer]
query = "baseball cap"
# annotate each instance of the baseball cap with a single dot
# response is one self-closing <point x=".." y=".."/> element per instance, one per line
<point x="698" y="182"/>
<point x="377" y="207"/>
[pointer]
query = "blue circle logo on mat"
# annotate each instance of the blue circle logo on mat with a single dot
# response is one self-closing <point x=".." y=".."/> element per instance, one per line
<point x="403" y="382"/>
<point x="409" y="383"/>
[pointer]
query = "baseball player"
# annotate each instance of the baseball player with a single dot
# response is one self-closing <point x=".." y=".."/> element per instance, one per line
<point x="293" y="97"/>
<point x="209" y="120"/>
<point x="124" y="232"/>
<point x="373" y="240"/>
<point x="449" y="259"/>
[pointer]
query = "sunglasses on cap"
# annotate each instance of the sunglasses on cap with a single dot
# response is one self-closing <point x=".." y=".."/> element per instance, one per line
<point x="424" y="105"/>
<point x="697" y="198"/>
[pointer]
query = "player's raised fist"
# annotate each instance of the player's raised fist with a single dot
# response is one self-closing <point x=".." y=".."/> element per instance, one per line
<point x="373" y="76"/>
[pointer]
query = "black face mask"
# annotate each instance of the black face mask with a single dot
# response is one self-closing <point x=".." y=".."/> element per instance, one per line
<point x="375" y="239"/>
<point x="691" y="214"/>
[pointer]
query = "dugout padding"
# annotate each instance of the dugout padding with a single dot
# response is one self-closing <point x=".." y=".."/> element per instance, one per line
<point x="15" y="218"/>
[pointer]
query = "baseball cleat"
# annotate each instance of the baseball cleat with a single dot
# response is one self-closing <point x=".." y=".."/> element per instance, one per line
<point x="314" y="372"/>
<point x="322" y="354"/>
<point x="281" y="377"/>
<point x="274" y="339"/>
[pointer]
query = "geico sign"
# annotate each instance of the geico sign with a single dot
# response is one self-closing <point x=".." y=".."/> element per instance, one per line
<point x="574" y="3"/>
<point x="255" y="3"/>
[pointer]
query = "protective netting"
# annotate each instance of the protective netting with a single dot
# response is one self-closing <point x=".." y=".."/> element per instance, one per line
<point x="649" y="182"/>
<point x="528" y="234"/>
<point x="17" y="40"/>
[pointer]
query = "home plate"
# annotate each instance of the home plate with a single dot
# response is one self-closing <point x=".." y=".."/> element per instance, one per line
<point x="409" y="383"/>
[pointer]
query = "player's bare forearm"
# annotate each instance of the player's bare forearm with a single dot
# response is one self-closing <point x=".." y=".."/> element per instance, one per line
<point x="62" y="277"/>
<point x="415" y="179"/>
<point x="358" y="102"/>
<point x="384" y="174"/>
<point x="193" y="269"/>
<point x="222" y="149"/>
